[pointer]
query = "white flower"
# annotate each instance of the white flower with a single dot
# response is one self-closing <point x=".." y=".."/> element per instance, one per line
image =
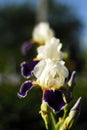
<point x="50" y="50"/>
<point x="42" y="32"/>
<point x="50" y="74"/>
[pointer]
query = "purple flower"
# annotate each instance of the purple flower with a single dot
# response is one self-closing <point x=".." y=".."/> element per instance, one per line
<point x="56" y="98"/>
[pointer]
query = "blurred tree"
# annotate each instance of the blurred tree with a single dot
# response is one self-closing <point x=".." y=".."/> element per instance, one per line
<point x="16" y="23"/>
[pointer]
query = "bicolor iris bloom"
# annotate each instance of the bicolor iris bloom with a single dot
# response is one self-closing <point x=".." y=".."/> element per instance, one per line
<point x="51" y="50"/>
<point x="42" y="32"/>
<point x="50" y="76"/>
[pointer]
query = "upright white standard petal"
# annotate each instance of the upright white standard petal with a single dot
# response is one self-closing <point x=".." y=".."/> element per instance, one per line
<point x="42" y="32"/>
<point x="50" y="74"/>
<point x="50" y="50"/>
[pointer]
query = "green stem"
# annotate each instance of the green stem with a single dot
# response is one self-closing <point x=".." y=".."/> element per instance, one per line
<point x="53" y="121"/>
<point x="61" y="119"/>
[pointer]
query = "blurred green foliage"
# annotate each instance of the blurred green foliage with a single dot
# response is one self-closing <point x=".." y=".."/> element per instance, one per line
<point x="19" y="114"/>
<point x="16" y="25"/>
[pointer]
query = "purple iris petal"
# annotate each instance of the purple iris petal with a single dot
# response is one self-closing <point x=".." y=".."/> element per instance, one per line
<point x="25" y="87"/>
<point x="54" y="99"/>
<point x="26" y="47"/>
<point x="27" y="67"/>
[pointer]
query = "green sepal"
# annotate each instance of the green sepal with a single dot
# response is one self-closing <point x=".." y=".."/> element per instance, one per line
<point x="48" y="116"/>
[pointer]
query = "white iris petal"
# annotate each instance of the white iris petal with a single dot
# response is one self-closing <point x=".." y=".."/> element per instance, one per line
<point x="50" y="50"/>
<point x="50" y="74"/>
<point x="42" y="32"/>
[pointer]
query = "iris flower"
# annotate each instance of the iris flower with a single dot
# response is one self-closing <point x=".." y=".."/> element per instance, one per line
<point x="42" y="32"/>
<point x="50" y="76"/>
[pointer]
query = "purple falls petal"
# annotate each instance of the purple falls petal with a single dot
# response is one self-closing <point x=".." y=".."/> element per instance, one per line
<point x="25" y="87"/>
<point x="54" y="99"/>
<point x="26" y="47"/>
<point x="27" y="67"/>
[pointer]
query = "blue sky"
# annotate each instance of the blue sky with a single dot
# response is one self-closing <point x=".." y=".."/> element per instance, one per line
<point x="79" y="6"/>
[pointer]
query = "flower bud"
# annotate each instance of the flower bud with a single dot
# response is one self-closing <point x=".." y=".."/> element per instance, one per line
<point x="71" y="81"/>
<point x="73" y="115"/>
<point x="44" y="113"/>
